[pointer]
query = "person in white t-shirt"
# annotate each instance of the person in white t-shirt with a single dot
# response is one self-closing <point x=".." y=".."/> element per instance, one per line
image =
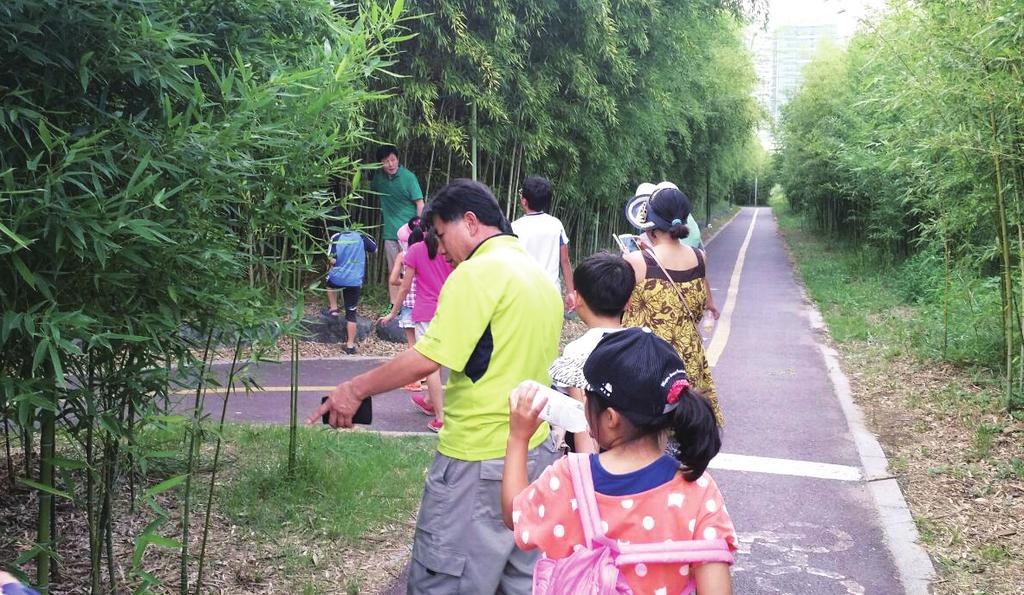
<point x="543" y="236"/>
<point x="604" y="282"/>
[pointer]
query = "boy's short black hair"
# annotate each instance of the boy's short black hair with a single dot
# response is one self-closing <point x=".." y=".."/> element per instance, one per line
<point x="604" y="281"/>
<point x="537" y="192"/>
<point x="384" y="150"/>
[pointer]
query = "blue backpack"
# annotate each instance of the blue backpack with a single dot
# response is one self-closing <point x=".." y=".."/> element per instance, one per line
<point x="349" y="259"/>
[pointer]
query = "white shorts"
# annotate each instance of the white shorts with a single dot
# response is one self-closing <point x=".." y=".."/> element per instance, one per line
<point x="421" y="329"/>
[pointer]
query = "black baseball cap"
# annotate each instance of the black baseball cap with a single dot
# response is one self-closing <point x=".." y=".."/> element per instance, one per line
<point x="636" y="373"/>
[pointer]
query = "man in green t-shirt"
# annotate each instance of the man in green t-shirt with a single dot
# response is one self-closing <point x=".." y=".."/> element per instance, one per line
<point x="498" y="322"/>
<point x="400" y="199"/>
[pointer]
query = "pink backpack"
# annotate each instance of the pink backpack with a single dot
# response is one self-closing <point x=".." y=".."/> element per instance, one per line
<point x="594" y="570"/>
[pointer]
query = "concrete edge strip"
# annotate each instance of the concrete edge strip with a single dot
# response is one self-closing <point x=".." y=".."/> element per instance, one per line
<point x="901" y="536"/>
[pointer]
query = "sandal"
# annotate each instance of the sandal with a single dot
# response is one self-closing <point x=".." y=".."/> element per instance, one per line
<point x="334" y="312"/>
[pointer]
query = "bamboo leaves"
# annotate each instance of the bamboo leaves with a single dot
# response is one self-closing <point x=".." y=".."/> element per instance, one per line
<point x="910" y="142"/>
<point x="161" y="177"/>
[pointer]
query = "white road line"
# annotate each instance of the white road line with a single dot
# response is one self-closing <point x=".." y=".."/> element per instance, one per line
<point x="724" y="324"/>
<point x="771" y="466"/>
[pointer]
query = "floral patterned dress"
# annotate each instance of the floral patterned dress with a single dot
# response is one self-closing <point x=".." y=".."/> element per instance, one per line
<point x="656" y="304"/>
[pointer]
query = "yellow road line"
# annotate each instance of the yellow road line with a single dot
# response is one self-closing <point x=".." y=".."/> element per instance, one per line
<point x="721" y="336"/>
<point x="265" y="389"/>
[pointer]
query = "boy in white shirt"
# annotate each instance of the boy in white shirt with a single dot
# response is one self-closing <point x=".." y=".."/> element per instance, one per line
<point x="603" y="284"/>
<point x="542" y="235"/>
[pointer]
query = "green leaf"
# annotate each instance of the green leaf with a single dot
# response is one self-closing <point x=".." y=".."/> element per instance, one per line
<point x="12" y="236"/>
<point x="19" y="265"/>
<point x="41" y="350"/>
<point x="44" y="134"/>
<point x="160" y="541"/>
<point x="83" y="71"/>
<point x="65" y="463"/>
<point x="165" y="485"/>
<point x="45" y="488"/>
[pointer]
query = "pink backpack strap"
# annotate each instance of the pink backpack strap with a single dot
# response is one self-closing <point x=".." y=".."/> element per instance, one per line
<point x="675" y="552"/>
<point x="583" y="487"/>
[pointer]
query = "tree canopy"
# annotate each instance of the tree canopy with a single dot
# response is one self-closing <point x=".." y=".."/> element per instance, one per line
<point x="594" y="94"/>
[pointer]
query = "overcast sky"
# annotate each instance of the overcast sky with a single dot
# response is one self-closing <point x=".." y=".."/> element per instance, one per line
<point x="843" y="13"/>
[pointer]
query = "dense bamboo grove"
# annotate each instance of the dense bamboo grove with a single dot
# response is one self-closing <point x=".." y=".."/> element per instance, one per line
<point x="596" y="95"/>
<point x="163" y="176"/>
<point x="911" y="142"/>
<point x="160" y="178"/>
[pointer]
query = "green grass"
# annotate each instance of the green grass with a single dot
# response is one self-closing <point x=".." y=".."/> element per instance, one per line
<point x="346" y="484"/>
<point x="899" y="307"/>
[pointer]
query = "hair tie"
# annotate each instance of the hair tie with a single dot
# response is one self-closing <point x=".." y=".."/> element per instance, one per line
<point x="677" y="387"/>
<point x="677" y="222"/>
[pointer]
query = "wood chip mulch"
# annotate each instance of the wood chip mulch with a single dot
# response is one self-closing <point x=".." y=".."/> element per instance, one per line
<point x="238" y="560"/>
<point x="959" y="459"/>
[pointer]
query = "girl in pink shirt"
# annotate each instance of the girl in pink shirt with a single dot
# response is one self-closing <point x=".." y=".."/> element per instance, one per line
<point x="638" y="392"/>
<point x="428" y="270"/>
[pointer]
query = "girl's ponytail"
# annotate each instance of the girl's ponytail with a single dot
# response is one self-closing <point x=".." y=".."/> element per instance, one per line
<point x="695" y="432"/>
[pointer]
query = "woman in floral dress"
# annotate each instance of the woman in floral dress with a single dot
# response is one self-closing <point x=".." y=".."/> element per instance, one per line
<point x="671" y="292"/>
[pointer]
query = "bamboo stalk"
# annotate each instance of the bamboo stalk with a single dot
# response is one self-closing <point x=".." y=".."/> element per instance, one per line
<point x="293" y="393"/>
<point x="90" y="484"/>
<point x="1004" y="251"/>
<point x="192" y="453"/>
<point x="108" y="504"/>
<point x="26" y="439"/>
<point x="945" y="297"/>
<point x="43" y="527"/>
<point x="293" y="405"/>
<point x="131" y="457"/>
<point x="7" y="448"/>
<point x="430" y="169"/>
<point x="511" y="178"/>
<point x="216" y="463"/>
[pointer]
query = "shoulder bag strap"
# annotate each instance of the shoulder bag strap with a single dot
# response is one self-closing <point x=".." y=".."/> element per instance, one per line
<point x="668" y="278"/>
<point x="586" y="502"/>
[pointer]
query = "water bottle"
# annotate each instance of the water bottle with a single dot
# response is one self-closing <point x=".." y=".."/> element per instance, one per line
<point x="561" y="410"/>
<point x="709" y="322"/>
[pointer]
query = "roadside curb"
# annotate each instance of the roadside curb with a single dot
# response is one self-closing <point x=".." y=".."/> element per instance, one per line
<point x="901" y="537"/>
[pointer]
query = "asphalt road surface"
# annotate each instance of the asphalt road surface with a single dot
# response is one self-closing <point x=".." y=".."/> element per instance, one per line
<point x="805" y="484"/>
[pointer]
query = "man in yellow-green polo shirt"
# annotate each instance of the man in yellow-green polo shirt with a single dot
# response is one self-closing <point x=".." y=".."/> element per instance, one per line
<point x="498" y="323"/>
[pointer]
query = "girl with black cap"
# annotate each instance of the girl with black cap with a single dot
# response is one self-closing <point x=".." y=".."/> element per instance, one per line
<point x="631" y="514"/>
<point x="671" y="291"/>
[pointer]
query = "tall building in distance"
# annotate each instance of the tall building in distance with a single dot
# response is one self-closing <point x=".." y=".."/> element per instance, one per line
<point x="793" y="47"/>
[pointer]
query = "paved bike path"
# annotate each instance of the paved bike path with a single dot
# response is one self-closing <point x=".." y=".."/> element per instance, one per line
<point x="790" y="470"/>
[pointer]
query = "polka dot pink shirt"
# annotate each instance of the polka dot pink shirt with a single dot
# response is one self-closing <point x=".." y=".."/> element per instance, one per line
<point x="545" y="516"/>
